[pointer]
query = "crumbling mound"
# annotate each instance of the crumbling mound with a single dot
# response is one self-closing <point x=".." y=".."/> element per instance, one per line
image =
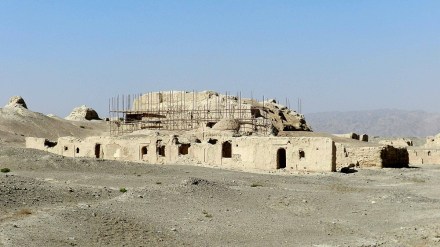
<point x="16" y="101"/>
<point x="83" y="113"/>
<point x="284" y="119"/>
<point x="192" y="110"/>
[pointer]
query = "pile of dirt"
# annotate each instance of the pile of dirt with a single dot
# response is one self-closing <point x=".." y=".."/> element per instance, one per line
<point x="83" y="113"/>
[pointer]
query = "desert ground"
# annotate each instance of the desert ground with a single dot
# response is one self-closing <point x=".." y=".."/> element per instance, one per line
<point x="49" y="200"/>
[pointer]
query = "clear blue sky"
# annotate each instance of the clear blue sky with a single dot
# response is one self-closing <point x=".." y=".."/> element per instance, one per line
<point x="334" y="55"/>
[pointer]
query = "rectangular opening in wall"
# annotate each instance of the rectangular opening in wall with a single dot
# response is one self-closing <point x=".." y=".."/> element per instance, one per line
<point x="184" y="148"/>
<point x="160" y="151"/>
<point x="98" y="150"/>
<point x="302" y="154"/>
<point x="144" y="152"/>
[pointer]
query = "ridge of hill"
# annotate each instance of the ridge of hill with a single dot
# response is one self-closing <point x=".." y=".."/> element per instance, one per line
<point x="17" y="123"/>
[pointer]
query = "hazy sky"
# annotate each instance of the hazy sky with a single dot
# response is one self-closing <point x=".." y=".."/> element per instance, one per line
<point x="334" y="55"/>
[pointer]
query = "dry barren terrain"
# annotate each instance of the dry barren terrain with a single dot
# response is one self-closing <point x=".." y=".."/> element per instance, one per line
<point x="48" y="200"/>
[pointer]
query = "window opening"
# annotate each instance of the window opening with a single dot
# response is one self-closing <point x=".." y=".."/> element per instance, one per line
<point x="184" y="148"/>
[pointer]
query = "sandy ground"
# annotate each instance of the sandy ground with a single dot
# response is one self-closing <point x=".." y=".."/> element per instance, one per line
<point x="48" y="200"/>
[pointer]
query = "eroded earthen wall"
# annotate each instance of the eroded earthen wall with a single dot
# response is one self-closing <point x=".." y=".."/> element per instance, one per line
<point x="418" y="156"/>
<point x="358" y="156"/>
<point x="370" y="156"/>
<point x="244" y="153"/>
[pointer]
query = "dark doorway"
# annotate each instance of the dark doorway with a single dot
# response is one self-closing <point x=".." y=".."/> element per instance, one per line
<point x="227" y="150"/>
<point x="98" y="151"/>
<point x="183" y="149"/>
<point x="144" y="152"/>
<point x="281" y="158"/>
<point x="161" y="151"/>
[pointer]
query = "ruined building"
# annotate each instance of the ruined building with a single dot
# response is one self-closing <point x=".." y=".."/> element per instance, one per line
<point x="179" y="110"/>
<point x="210" y="129"/>
<point x="429" y="153"/>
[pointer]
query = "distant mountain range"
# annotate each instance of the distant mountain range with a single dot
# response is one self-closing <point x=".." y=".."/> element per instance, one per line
<point x="385" y="122"/>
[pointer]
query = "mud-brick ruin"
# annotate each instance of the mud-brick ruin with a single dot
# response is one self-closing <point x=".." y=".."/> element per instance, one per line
<point x="429" y="153"/>
<point x="210" y="129"/>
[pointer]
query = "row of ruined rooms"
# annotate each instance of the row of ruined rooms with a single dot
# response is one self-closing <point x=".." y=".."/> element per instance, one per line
<point x="160" y="151"/>
<point x="302" y="154"/>
<point x="263" y="153"/>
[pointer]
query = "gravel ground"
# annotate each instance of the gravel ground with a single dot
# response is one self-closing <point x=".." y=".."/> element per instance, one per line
<point x="48" y="200"/>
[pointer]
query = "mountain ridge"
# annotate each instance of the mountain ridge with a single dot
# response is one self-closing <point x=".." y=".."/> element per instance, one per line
<point x="379" y="122"/>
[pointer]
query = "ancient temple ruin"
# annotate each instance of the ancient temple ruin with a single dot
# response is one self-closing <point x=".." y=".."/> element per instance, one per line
<point x="214" y="130"/>
<point x="181" y="110"/>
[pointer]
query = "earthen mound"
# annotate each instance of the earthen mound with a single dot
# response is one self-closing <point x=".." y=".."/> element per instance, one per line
<point x="16" y="101"/>
<point x="192" y="110"/>
<point x="83" y="113"/>
<point x="18" y="122"/>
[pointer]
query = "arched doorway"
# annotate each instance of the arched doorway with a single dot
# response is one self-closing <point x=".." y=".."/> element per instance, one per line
<point x="226" y="150"/>
<point x="281" y="158"/>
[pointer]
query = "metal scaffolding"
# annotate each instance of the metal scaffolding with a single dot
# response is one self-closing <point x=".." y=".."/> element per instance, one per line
<point x="184" y="111"/>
